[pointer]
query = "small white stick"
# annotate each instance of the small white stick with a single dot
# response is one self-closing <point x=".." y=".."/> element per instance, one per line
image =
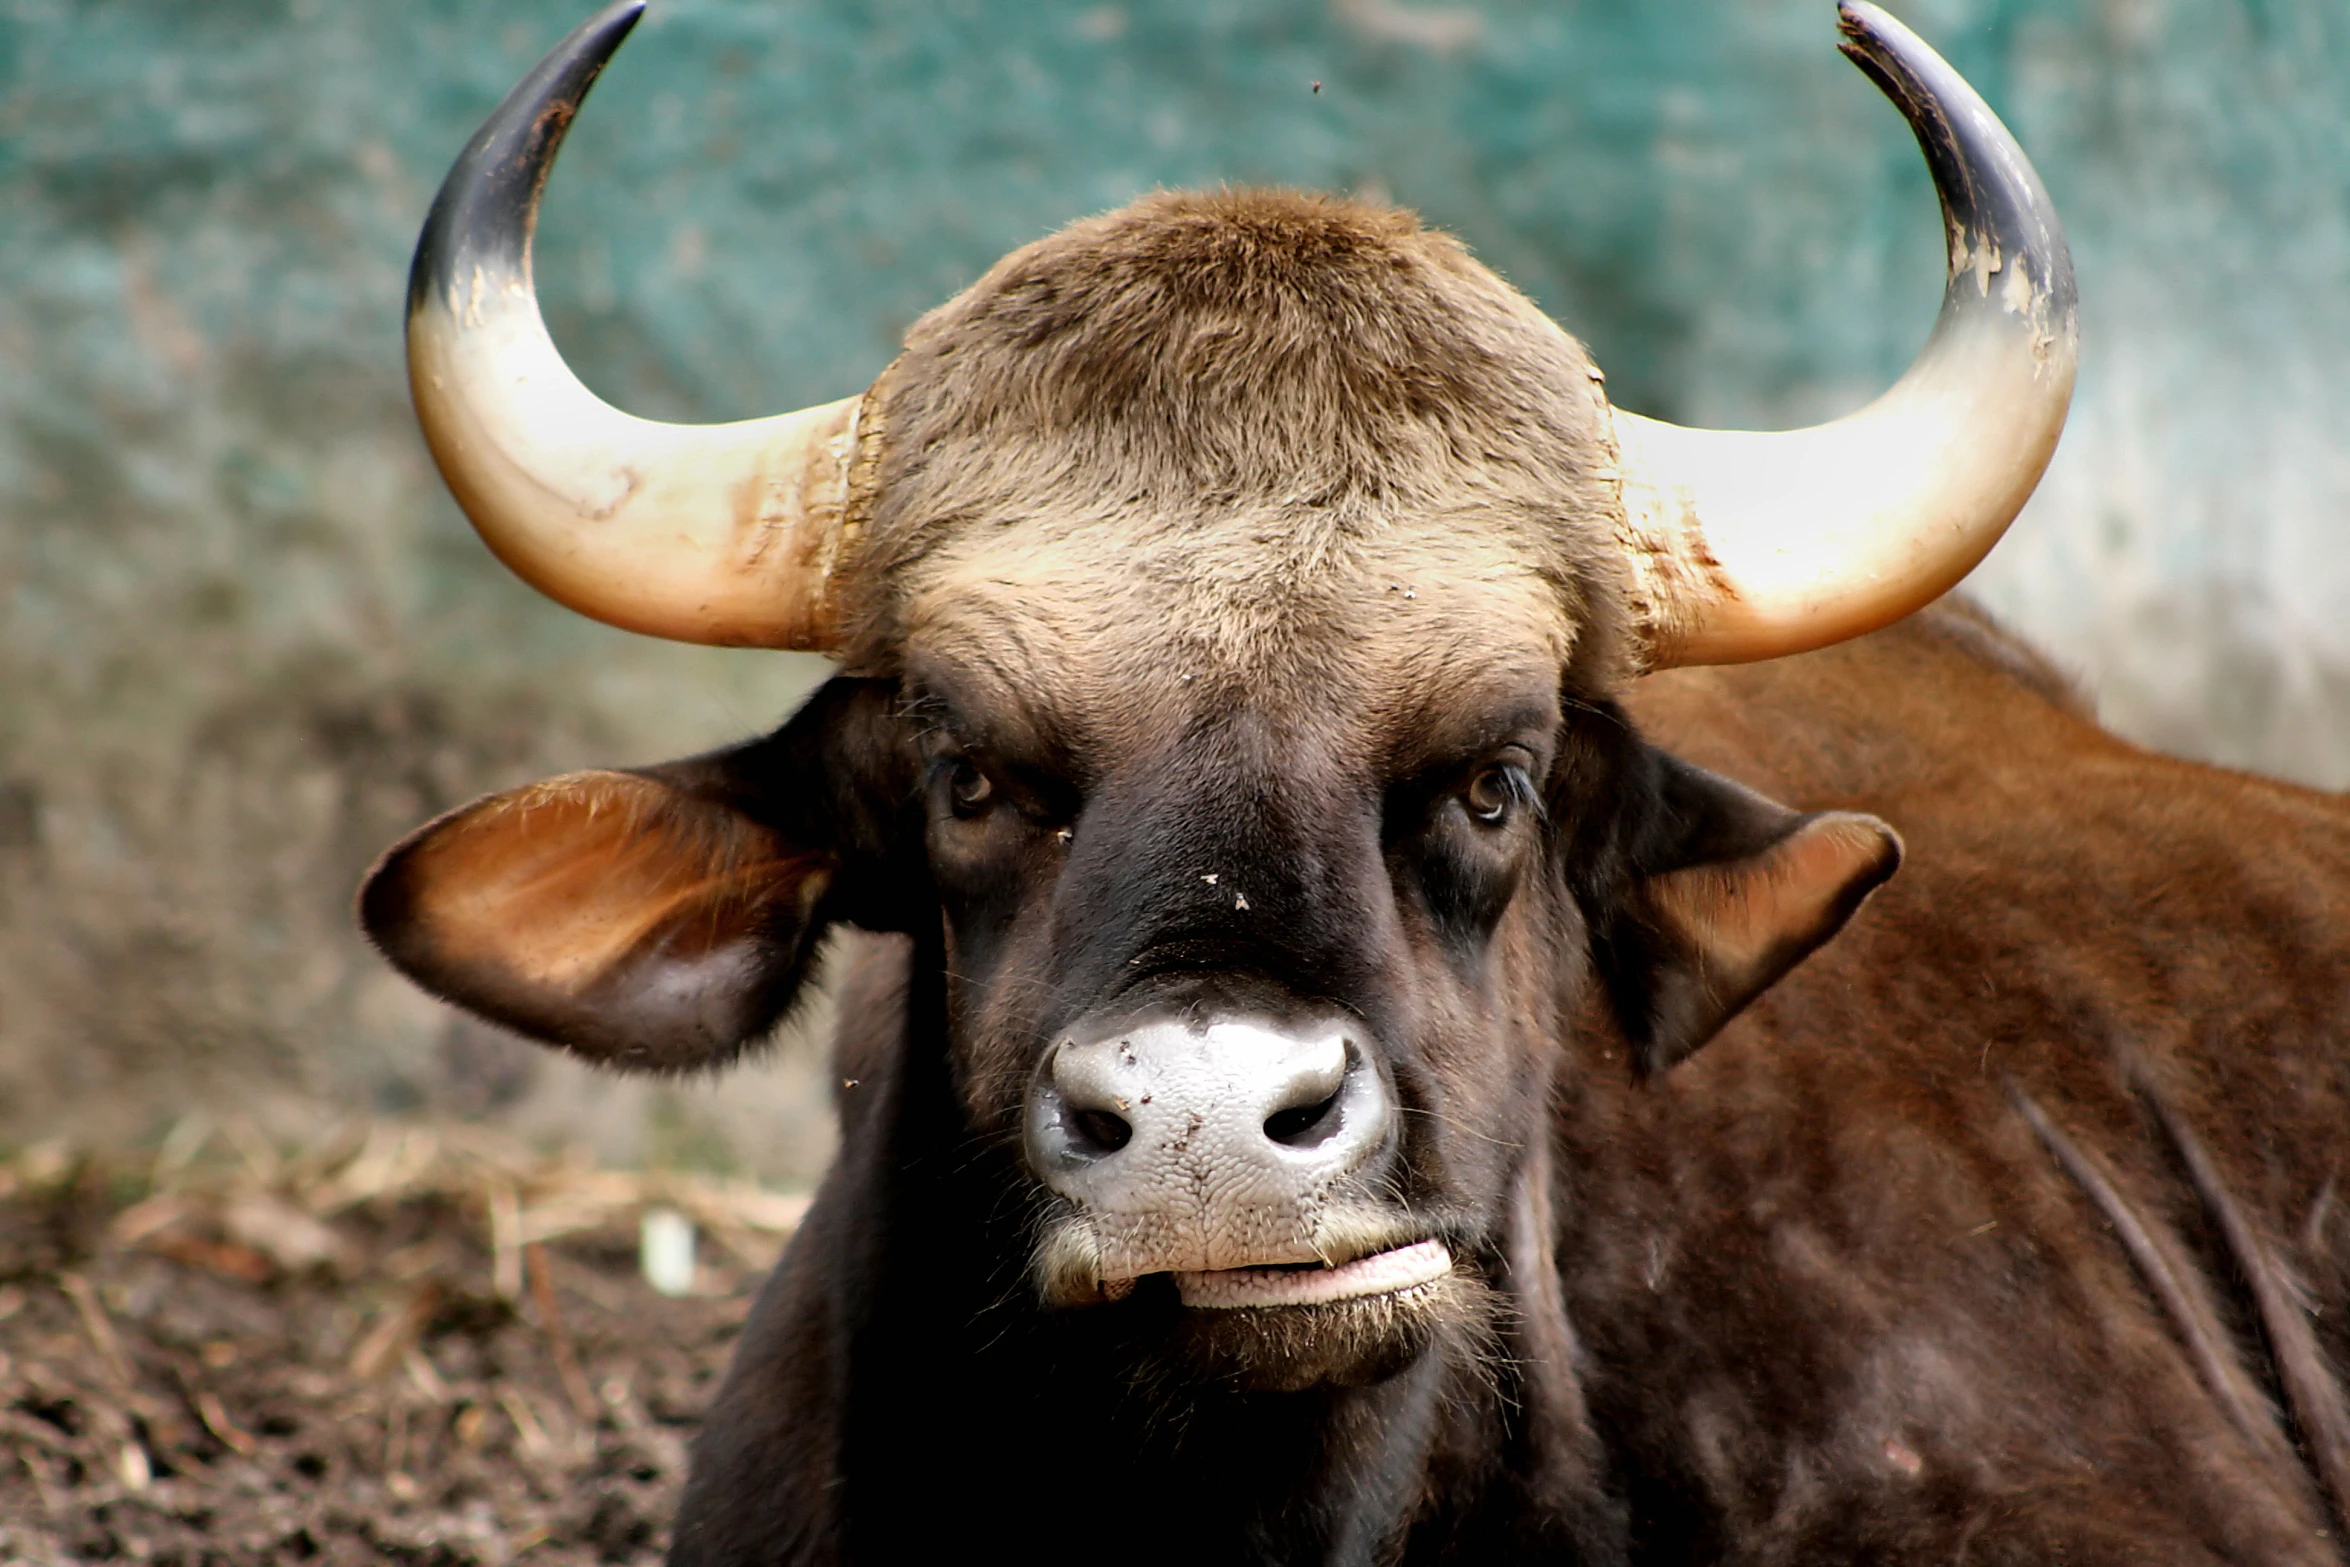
<point x="666" y="1251"/>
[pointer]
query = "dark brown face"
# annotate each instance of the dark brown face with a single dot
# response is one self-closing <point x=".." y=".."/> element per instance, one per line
<point x="1230" y="725"/>
<point x="1252" y="948"/>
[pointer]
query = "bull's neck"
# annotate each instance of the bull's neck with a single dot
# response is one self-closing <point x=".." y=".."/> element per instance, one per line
<point x="1021" y="1419"/>
<point x="1053" y="1422"/>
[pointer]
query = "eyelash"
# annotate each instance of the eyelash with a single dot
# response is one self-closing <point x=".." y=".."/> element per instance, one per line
<point x="925" y="714"/>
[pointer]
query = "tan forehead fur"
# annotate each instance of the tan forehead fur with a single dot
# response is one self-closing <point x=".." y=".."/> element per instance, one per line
<point x="1113" y="667"/>
<point x="1252" y="433"/>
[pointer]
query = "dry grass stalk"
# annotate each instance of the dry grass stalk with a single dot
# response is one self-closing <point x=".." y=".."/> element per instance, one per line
<point x="542" y="1294"/>
<point x="216" y="1420"/>
<point x="505" y="1241"/>
<point x="427" y="1377"/>
<point x="393" y="1334"/>
<point x="95" y="1322"/>
<point x="526" y="1425"/>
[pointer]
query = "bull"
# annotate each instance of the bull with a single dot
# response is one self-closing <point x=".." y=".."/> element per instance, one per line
<point x="1305" y="772"/>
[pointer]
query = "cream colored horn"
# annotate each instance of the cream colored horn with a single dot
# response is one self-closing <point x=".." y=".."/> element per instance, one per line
<point x="727" y="533"/>
<point x="1748" y="546"/>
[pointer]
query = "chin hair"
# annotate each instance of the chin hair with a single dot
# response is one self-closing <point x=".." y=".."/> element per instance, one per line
<point x="1347" y="1343"/>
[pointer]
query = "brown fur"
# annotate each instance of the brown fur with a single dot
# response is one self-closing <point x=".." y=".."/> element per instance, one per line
<point x="1830" y="1237"/>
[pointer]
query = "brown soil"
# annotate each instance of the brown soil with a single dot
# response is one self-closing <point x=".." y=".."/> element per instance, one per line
<point x="398" y="1345"/>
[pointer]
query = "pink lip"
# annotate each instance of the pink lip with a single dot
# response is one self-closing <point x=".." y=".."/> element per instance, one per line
<point x="1381" y="1273"/>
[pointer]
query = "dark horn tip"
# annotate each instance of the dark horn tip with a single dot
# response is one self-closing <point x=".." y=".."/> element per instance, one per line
<point x="488" y="206"/>
<point x="1990" y="193"/>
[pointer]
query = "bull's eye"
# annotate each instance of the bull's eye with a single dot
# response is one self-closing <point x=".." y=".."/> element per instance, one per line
<point x="968" y="789"/>
<point x="1492" y="792"/>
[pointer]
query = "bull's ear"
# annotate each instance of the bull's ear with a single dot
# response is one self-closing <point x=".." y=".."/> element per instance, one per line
<point x="1727" y="891"/>
<point x="615" y="914"/>
<point x="653" y="921"/>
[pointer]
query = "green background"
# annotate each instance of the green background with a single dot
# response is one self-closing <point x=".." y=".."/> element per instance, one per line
<point x="245" y="640"/>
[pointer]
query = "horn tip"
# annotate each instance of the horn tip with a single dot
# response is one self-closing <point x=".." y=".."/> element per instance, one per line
<point x="486" y="209"/>
<point x="1993" y="203"/>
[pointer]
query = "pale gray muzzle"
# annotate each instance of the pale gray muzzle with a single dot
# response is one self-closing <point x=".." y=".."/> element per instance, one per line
<point x="1198" y="1148"/>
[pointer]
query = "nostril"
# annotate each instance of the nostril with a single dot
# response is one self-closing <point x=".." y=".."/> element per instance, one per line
<point x="1098" y="1132"/>
<point x="1302" y="1126"/>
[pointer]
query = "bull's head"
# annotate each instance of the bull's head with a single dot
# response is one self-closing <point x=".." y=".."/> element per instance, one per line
<point x="1233" y="593"/>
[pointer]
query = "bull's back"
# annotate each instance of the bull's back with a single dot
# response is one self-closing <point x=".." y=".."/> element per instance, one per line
<point x="1843" y="1259"/>
<point x="2059" y="884"/>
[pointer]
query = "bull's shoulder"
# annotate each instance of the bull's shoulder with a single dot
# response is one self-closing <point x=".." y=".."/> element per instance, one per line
<point x="2061" y="887"/>
<point x="2044" y="1150"/>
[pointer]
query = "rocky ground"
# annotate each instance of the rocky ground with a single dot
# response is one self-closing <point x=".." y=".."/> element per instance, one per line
<point x="399" y="1344"/>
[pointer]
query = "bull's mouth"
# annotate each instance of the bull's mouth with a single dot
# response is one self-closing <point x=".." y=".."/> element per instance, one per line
<point x="1351" y="1253"/>
<point x="1382" y="1290"/>
<point x="1312" y="1284"/>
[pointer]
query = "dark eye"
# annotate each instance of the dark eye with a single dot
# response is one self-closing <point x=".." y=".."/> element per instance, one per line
<point x="1492" y="792"/>
<point x="968" y="789"/>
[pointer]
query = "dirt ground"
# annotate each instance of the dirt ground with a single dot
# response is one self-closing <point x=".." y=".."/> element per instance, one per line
<point x="399" y="1344"/>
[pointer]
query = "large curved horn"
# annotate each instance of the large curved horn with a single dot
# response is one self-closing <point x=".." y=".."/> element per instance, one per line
<point x="1748" y="546"/>
<point x="726" y="533"/>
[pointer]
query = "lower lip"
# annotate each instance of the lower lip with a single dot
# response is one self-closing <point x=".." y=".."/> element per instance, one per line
<point x="1382" y="1273"/>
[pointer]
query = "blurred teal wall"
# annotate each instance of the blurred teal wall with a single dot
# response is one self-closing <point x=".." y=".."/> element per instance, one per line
<point x="245" y="639"/>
